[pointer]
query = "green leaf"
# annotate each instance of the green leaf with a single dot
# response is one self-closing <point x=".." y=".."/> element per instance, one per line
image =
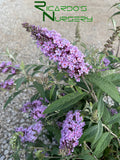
<point x="83" y="45"/>
<point x="60" y="76"/>
<point x="101" y="57"/>
<point x="52" y="91"/>
<point x="89" y="134"/>
<point x="9" y="76"/>
<point x="30" y="67"/>
<point x="106" y="116"/>
<point x="12" y="97"/>
<point x="16" y="156"/>
<point x="117" y="13"/>
<point x="115" y="78"/>
<point x="118" y="7"/>
<point x="10" y="55"/>
<point x="114" y="57"/>
<point x="99" y="132"/>
<point x="116" y="4"/>
<point x="104" y="141"/>
<point x="35" y="73"/>
<point x="40" y="89"/>
<point x="114" y="23"/>
<point x="108" y="73"/>
<point x="22" y="66"/>
<point x="27" y="66"/>
<point x="29" y="156"/>
<point x="48" y="69"/>
<point x="19" y="82"/>
<point x="39" y="155"/>
<point x="37" y="70"/>
<point x="85" y="154"/>
<point x="78" y="89"/>
<point x="87" y="157"/>
<point x="55" y="131"/>
<point x="65" y="102"/>
<point x="106" y="86"/>
<point x="38" y="67"/>
<point x="114" y="119"/>
<point x="100" y="107"/>
<point x="34" y="97"/>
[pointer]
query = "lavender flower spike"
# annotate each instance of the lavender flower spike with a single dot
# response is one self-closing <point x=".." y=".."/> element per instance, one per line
<point x="71" y="132"/>
<point x="69" y="58"/>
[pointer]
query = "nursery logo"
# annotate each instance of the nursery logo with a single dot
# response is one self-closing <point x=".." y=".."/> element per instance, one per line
<point x="41" y="5"/>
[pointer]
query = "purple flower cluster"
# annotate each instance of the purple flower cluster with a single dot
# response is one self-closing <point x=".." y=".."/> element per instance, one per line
<point x="106" y="62"/>
<point x="7" y="67"/>
<point x="31" y="133"/>
<point x="113" y="111"/>
<point x="35" y="109"/>
<point x="8" y="84"/>
<point x="71" y="132"/>
<point x="68" y="57"/>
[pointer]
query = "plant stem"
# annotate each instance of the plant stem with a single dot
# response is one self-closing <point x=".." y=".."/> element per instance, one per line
<point x="86" y="83"/>
<point x="84" y="89"/>
<point x="111" y="133"/>
<point x="90" y="150"/>
<point x="90" y="91"/>
<point x="118" y="48"/>
<point x="95" y="97"/>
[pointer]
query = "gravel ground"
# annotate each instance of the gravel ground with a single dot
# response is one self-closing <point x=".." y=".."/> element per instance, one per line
<point x="10" y="17"/>
<point x="10" y="119"/>
<point x="14" y="37"/>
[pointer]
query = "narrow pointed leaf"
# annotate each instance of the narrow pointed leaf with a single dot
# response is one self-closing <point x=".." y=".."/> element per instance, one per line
<point x="19" y="81"/>
<point x="30" y="67"/>
<point x="117" y="13"/>
<point x="52" y="91"/>
<point x="102" y="144"/>
<point x="65" y="102"/>
<point x="12" y="97"/>
<point x="34" y="97"/>
<point x="38" y="67"/>
<point x="115" y="78"/>
<point x="40" y="89"/>
<point x="99" y="132"/>
<point x="100" y="107"/>
<point x="114" y="119"/>
<point x="116" y="4"/>
<point x="89" y="134"/>
<point x="106" y="86"/>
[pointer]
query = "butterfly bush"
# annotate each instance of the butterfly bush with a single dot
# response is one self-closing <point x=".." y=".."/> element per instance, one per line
<point x="72" y="126"/>
<point x="72" y="130"/>
<point x="30" y="133"/>
<point x="35" y="109"/>
<point x="8" y="84"/>
<point x="6" y="67"/>
<point x="106" y="62"/>
<point x="66" y="128"/>
<point x="60" y="50"/>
